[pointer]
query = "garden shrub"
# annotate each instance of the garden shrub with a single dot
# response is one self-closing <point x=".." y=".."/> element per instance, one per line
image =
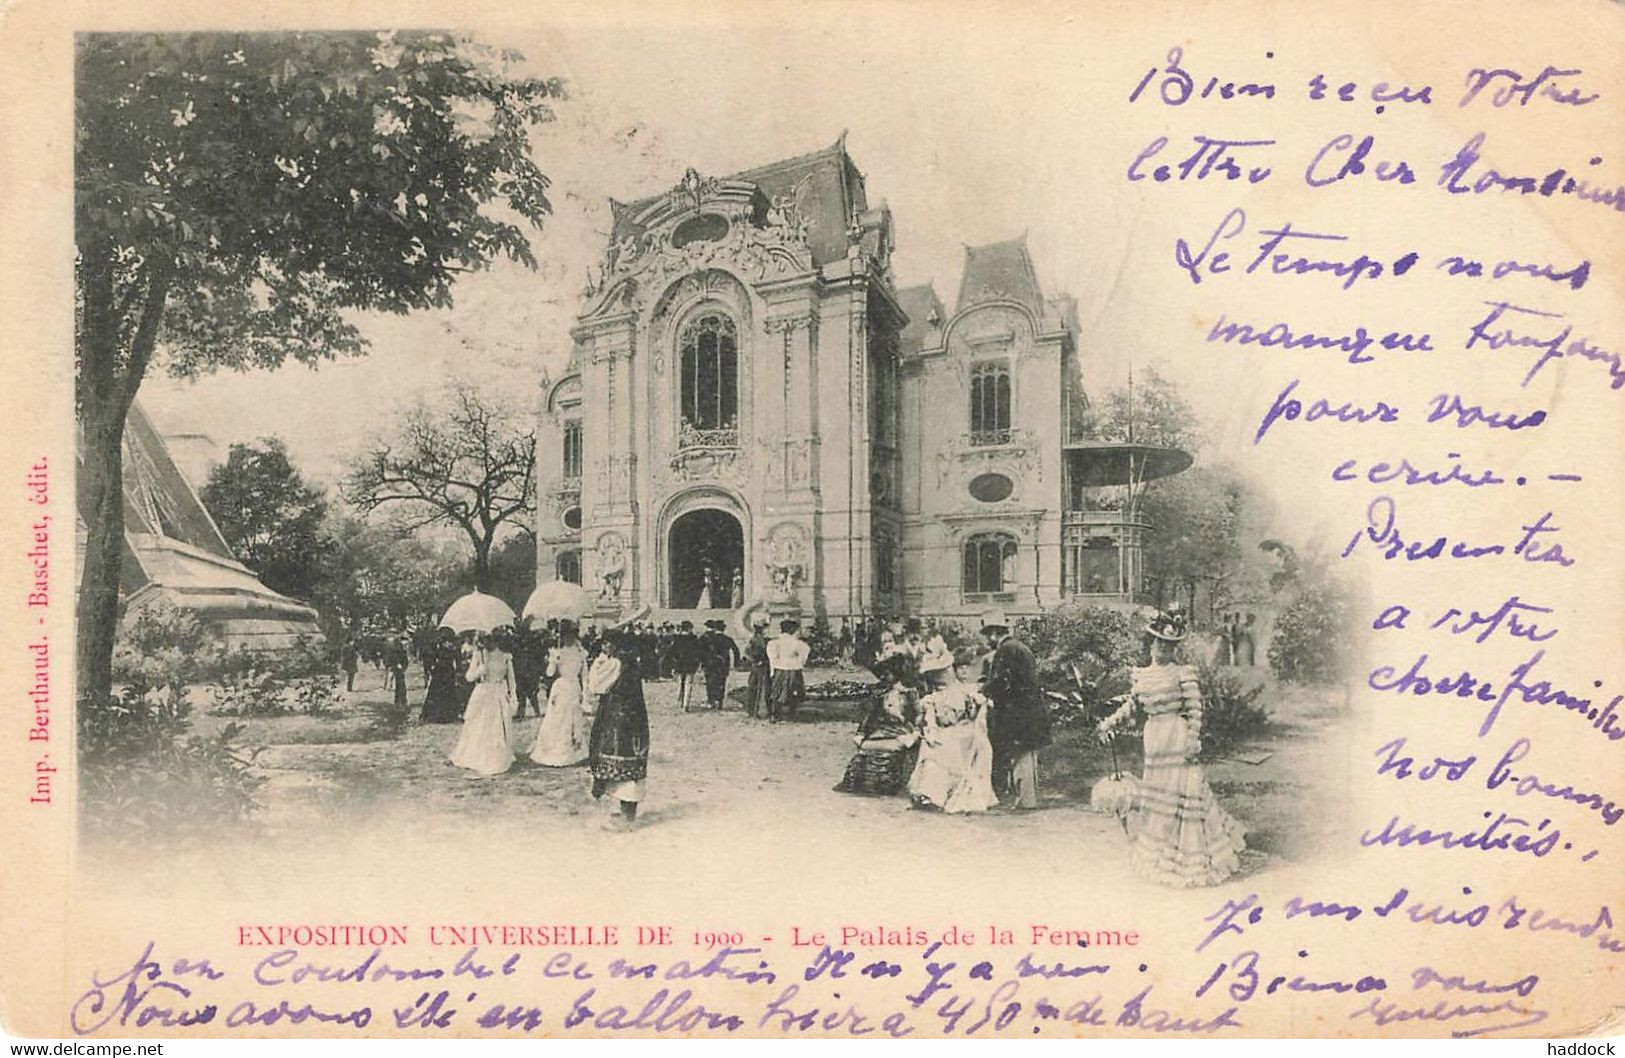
<point x="1310" y="644"/>
<point x="161" y="647"/>
<point x="1231" y="711"/>
<point x="1101" y="645"/>
<point x="822" y="644"/>
<point x="142" y="773"/>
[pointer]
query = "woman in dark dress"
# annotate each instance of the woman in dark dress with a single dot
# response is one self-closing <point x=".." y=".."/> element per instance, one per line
<point x="761" y="673"/>
<point x="888" y="735"/>
<point x="618" y="749"/>
<point x="442" y="703"/>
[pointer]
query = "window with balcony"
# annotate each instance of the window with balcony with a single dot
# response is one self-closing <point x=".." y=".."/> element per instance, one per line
<point x="990" y="564"/>
<point x="709" y="364"/>
<point x="990" y="404"/>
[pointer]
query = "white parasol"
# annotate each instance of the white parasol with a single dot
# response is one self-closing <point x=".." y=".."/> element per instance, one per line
<point x="558" y="599"/>
<point x="1116" y="794"/>
<point x="477" y="611"/>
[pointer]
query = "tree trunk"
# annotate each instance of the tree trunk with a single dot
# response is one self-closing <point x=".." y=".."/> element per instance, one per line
<point x="101" y="484"/>
<point x="105" y="396"/>
<point x="482" y="564"/>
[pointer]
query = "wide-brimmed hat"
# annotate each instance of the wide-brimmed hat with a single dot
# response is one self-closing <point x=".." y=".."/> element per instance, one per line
<point x="935" y="662"/>
<point x="995" y="618"/>
<point x="1168" y="627"/>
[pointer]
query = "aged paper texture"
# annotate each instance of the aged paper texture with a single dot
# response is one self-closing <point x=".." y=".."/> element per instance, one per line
<point x="848" y="520"/>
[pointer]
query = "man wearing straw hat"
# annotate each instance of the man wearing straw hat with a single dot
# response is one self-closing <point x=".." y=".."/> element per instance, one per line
<point x="1019" y="724"/>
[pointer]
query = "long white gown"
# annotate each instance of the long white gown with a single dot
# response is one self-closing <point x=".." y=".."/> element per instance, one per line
<point x="486" y="743"/>
<point x="955" y="767"/>
<point x="562" y="739"/>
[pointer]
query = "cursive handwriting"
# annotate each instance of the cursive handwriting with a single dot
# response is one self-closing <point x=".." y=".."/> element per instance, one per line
<point x="1382" y="531"/>
<point x="1513" y="87"/>
<point x="1417" y="681"/>
<point x="1553" y="346"/>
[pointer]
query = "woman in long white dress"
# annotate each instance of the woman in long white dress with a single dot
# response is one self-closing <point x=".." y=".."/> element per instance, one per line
<point x="562" y="739"/>
<point x="1182" y="836"/>
<point x="955" y="768"/>
<point x="486" y="743"/>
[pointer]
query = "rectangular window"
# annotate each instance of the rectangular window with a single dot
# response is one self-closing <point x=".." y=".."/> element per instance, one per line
<point x="572" y="449"/>
<point x="989" y="564"/>
<point x="990" y="411"/>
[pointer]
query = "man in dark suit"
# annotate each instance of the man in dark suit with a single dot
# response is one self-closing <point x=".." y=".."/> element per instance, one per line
<point x="684" y="653"/>
<point x="718" y="656"/>
<point x="1019" y="722"/>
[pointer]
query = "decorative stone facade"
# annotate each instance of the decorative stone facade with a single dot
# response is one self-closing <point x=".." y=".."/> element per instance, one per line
<point x="743" y="357"/>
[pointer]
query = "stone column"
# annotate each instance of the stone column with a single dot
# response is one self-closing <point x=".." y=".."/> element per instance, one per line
<point x="612" y="470"/>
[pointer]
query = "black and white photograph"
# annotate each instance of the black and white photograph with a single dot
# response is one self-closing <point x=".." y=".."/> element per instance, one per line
<point x="1088" y="491"/>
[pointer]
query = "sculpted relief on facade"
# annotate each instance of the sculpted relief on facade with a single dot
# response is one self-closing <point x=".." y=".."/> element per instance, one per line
<point x="788" y="557"/>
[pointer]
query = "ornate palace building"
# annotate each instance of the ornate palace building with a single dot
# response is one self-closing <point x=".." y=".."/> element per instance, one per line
<point x="755" y="414"/>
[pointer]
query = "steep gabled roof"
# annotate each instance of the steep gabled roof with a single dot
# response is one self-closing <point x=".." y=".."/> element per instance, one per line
<point x="999" y="271"/>
<point x="926" y="316"/>
<point x="825" y="186"/>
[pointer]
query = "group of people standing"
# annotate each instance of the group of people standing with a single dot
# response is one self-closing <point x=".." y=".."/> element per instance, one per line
<point x="957" y="731"/>
<point x="952" y="745"/>
<point x="595" y="712"/>
<point x="960" y="748"/>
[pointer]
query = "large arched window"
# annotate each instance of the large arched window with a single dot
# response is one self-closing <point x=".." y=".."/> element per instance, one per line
<point x="990" y="564"/>
<point x="709" y="363"/>
<point x="990" y="404"/>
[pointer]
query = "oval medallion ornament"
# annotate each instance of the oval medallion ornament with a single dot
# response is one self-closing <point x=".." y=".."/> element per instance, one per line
<point x="991" y="488"/>
<point x="707" y="227"/>
<point x="572" y="519"/>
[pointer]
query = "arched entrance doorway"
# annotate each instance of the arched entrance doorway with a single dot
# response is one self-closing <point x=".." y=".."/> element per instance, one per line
<point x="705" y="556"/>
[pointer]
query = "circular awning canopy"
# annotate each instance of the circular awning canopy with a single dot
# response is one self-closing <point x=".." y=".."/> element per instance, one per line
<point x="1098" y="463"/>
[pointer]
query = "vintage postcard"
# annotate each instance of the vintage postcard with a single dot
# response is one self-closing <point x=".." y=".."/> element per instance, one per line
<point x="850" y="520"/>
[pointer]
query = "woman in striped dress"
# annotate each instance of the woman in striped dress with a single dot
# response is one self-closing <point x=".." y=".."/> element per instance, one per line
<point x="1181" y="835"/>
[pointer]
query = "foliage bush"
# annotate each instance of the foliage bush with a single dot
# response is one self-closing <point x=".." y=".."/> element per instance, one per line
<point x="267" y="692"/>
<point x="161" y="647"/>
<point x="822" y="644"/>
<point x="143" y="774"/>
<point x="1231" y="711"/>
<point x="1310" y="644"/>
<point x="1098" y="644"/>
<point x="307" y="657"/>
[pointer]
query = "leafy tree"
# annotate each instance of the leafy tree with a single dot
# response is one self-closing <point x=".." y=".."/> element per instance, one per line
<point x="375" y="575"/>
<point x="512" y="571"/>
<point x="469" y="463"/>
<point x="1312" y="634"/>
<point x="269" y="516"/>
<point x="1155" y="413"/>
<point x="1204" y="523"/>
<point x="235" y="193"/>
<point x="1086" y="647"/>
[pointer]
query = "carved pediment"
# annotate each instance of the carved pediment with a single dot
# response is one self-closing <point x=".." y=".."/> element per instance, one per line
<point x="701" y="223"/>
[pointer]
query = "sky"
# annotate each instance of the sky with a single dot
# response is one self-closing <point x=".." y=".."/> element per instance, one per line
<point x="954" y="170"/>
<point x="974" y="123"/>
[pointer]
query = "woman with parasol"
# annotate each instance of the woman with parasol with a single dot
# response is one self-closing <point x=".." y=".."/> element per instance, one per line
<point x="561" y="741"/>
<point x="486" y="743"/>
<point x="1181" y="836"/>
